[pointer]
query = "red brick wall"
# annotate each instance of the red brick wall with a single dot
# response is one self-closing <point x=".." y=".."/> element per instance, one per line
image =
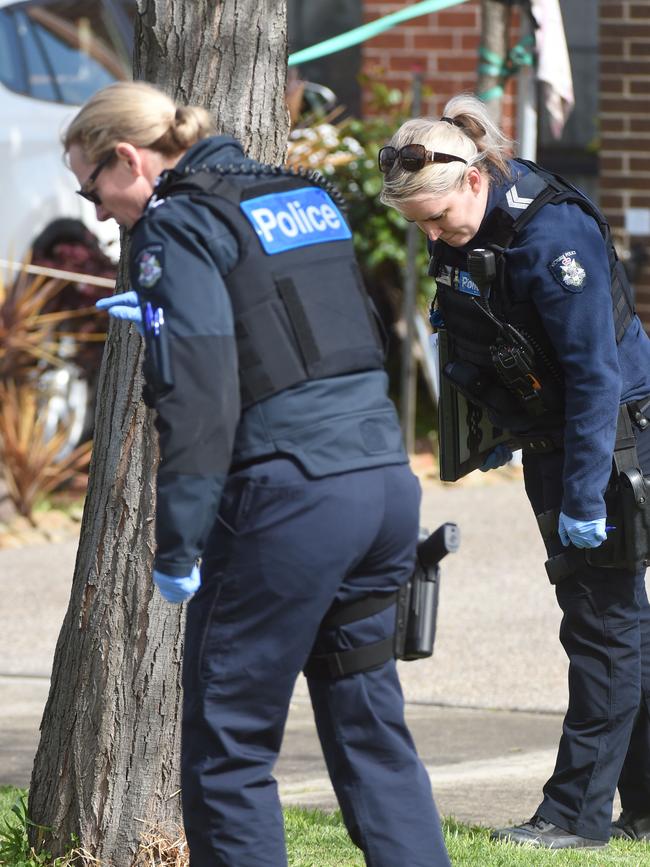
<point x="443" y="45"/>
<point x="625" y="124"/>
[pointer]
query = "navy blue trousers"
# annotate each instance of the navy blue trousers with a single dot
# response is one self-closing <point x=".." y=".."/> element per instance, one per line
<point x="284" y="549"/>
<point x="605" y="632"/>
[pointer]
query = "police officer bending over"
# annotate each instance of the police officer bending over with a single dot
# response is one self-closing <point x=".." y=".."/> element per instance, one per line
<point x="282" y="468"/>
<point x="539" y="320"/>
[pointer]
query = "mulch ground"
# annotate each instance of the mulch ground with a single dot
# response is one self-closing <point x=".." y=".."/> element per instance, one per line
<point x="54" y="525"/>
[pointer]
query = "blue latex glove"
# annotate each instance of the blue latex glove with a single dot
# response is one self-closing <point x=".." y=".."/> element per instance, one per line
<point x="175" y="589"/>
<point x="497" y="458"/>
<point x="123" y="306"/>
<point x="583" y="534"/>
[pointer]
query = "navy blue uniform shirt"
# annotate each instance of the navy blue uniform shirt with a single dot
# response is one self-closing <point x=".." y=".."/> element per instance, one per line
<point x="180" y="251"/>
<point x="559" y="263"/>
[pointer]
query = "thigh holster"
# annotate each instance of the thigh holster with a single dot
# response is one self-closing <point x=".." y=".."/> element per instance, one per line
<point x="329" y="666"/>
<point x="415" y="619"/>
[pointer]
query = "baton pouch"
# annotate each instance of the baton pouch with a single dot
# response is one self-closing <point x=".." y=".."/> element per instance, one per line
<point x="634" y="490"/>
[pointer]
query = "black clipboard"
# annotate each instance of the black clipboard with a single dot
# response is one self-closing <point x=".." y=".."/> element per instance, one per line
<point x="465" y="433"/>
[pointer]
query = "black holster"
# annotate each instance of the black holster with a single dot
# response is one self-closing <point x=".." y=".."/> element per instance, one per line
<point x="417" y="601"/>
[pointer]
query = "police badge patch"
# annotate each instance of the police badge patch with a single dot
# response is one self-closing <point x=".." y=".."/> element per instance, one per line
<point x="568" y="272"/>
<point x="150" y="266"/>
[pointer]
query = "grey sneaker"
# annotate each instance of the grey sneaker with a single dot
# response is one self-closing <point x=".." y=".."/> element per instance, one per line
<point x="538" y="832"/>
<point x="631" y="826"/>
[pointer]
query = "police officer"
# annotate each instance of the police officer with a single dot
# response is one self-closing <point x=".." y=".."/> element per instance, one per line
<point x="545" y="340"/>
<point x="282" y="469"/>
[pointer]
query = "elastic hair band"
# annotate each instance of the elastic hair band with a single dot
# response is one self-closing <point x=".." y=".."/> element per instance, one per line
<point x="453" y="121"/>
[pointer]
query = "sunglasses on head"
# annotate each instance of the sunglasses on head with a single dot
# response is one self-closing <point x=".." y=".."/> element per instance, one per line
<point x="89" y="194"/>
<point x="412" y="158"/>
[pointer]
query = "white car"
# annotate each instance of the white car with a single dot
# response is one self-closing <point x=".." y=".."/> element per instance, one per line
<point x="53" y="55"/>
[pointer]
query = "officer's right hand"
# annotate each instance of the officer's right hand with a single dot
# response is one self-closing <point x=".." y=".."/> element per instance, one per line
<point x="583" y="534"/>
<point x="497" y="458"/>
<point x="177" y="589"/>
<point x="123" y="306"/>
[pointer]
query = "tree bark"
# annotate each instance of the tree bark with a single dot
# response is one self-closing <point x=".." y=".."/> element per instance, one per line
<point x="229" y="56"/>
<point x="495" y="16"/>
<point x="107" y="764"/>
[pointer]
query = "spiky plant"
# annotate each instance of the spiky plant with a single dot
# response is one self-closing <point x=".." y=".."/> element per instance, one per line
<point x="32" y="463"/>
<point x="30" y="329"/>
<point x="32" y="335"/>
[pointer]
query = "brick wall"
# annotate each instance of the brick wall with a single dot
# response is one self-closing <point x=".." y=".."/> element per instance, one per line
<point x="443" y="46"/>
<point x="625" y="129"/>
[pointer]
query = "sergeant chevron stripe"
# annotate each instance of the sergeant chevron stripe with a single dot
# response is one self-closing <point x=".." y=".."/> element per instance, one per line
<point x="515" y="200"/>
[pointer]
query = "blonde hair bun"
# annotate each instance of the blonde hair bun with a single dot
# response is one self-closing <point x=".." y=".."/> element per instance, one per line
<point x="465" y="130"/>
<point x="138" y="113"/>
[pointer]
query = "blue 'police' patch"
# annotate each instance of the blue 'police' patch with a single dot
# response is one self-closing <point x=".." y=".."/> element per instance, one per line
<point x="285" y="221"/>
<point x="466" y="284"/>
<point x="568" y="272"/>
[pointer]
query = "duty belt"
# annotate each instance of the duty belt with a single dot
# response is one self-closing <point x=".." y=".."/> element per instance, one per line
<point x="540" y="444"/>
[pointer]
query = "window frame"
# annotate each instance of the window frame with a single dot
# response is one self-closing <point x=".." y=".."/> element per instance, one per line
<point x="108" y="8"/>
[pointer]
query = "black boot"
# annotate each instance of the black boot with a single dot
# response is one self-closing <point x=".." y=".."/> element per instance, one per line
<point x="539" y="832"/>
<point x="632" y="826"/>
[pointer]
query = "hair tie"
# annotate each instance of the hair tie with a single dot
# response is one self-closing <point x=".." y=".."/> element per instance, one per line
<point x="453" y="121"/>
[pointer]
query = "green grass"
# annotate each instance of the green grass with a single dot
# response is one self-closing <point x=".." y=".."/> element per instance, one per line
<point x="8" y="796"/>
<point x="471" y="847"/>
<point x="317" y="839"/>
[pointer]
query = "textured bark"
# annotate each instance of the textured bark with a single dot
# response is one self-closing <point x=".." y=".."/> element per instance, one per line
<point x="107" y="764"/>
<point x="229" y="56"/>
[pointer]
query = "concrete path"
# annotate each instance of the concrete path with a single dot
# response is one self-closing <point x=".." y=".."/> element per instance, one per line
<point x="485" y="710"/>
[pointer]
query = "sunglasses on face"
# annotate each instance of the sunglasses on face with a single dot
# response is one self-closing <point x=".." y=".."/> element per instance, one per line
<point x="89" y="194"/>
<point x="412" y="158"/>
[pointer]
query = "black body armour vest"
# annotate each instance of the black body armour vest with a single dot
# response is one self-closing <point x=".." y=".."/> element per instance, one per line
<point x="500" y="356"/>
<point x="301" y="309"/>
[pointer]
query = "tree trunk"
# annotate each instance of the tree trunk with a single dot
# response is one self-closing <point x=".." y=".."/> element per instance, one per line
<point x="230" y="56"/>
<point x="107" y="765"/>
<point x="494" y="40"/>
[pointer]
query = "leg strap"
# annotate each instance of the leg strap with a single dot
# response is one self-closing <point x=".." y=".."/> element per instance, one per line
<point x="330" y="666"/>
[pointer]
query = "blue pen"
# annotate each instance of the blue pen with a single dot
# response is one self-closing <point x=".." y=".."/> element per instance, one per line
<point x="148" y="317"/>
<point x="609" y="528"/>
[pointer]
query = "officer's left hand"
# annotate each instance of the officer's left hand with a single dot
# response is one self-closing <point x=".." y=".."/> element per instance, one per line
<point x="583" y="534"/>
<point x="123" y="306"/>
<point x="497" y="458"/>
<point x="177" y="589"/>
